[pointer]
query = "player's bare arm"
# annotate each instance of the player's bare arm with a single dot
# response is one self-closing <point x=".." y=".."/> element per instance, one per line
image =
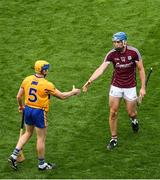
<point x="140" y="67"/>
<point x="19" y="99"/>
<point x="98" y="72"/>
<point x="65" y="95"/>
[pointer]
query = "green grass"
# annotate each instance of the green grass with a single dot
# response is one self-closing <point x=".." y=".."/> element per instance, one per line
<point x="74" y="36"/>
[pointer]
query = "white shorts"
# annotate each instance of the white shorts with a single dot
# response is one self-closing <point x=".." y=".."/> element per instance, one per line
<point x="129" y="94"/>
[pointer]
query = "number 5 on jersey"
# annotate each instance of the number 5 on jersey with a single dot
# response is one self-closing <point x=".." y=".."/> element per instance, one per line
<point x="32" y="94"/>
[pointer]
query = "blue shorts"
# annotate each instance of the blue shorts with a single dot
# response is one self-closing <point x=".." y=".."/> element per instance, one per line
<point x="36" y="117"/>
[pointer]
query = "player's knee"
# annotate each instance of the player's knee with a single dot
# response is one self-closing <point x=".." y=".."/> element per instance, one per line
<point x="40" y="141"/>
<point x="28" y="134"/>
<point x="113" y="114"/>
<point x="132" y="114"/>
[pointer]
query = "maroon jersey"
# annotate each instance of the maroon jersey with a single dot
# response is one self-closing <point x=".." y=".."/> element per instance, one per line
<point x="124" y="74"/>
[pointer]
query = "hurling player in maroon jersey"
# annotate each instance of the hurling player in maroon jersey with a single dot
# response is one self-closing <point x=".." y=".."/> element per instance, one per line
<point x="125" y="60"/>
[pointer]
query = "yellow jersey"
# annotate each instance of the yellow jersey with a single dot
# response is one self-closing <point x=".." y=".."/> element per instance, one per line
<point x="37" y="91"/>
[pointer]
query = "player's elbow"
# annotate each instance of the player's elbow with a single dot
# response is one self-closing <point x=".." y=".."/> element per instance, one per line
<point x="61" y="96"/>
<point x="18" y="97"/>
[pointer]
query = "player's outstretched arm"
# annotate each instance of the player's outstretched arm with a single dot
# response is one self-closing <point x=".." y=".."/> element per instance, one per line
<point x="98" y="72"/>
<point x="65" y="95"/>
<point x="86" y="86"/>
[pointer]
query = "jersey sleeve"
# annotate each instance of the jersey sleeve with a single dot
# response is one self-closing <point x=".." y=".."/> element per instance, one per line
<point x="51" y="89"/>
<point x="137" y="55"/>
<point x="23" y="83"/>
<point x="108" y="57"/>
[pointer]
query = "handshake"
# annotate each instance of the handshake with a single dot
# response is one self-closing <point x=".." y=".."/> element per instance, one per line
<point x="84" y="88"/>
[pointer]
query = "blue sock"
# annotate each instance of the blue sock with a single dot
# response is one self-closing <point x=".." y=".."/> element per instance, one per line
<point x="15" y="153"/>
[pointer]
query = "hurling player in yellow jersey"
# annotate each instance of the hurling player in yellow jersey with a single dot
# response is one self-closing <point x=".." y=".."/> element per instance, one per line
<point x="37" y="91"/>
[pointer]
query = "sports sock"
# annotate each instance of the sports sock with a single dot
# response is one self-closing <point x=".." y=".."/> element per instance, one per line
<point x="114" y="137"/>
<point x="41" y="161"/>
<point x="15" y="153"/>
<point x="134" y="120"/>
